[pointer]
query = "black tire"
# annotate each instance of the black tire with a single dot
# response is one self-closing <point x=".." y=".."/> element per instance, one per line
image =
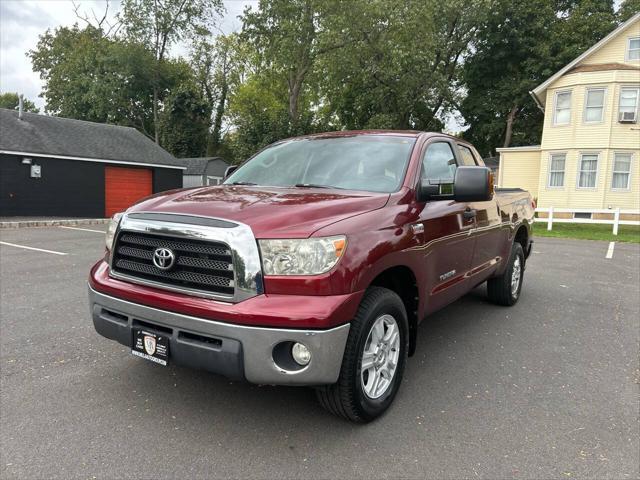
<point x="499" y="289"/>
<point x="347" y="398"/>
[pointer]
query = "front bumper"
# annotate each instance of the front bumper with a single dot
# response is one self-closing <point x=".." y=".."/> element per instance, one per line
<point x="235" y="351"/>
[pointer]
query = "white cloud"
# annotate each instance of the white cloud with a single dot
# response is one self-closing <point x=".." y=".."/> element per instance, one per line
<point x="22" y="21"/>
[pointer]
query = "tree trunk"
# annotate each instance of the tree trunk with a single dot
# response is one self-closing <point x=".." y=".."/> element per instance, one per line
<point x="217" y="121"/>
<point x="155" y="114"/>
<point x="294" y="96"/>
<point x="509" y="131"/>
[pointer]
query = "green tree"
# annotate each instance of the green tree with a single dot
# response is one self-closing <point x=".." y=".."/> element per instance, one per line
<point x="285" y="36"/>
<point x="402" y="69"/>
<point x="510" y="55"/>
<point x="290" y="37"/>
<point x="185" y="121"/>
<point x="158" y="25"/>
<point x="519" y="46"/>
<point x="259" y="115"/>
<point x="580" y="25"/>
<point x="357" y="64"/>
<point x="88" y="76"/>
<point x="11" y="101"/>
<point x="219" y="67"/>
<point x="628" y="8"/>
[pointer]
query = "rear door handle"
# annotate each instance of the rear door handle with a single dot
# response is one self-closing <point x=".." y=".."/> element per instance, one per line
<point x="469" y="214"/>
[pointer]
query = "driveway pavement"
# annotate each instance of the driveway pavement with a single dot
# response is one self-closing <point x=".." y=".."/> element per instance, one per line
<point x="546" y="389"/>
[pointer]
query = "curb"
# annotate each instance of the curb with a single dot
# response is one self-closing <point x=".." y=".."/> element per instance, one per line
<point x="54" y="223"/>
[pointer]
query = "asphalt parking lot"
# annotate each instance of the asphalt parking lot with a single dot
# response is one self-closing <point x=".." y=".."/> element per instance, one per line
<point x="546" y="389"/>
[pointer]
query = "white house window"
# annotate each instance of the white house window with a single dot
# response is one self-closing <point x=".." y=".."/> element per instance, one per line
<point x="214" y="180"/>
<point x="556" y="170"/>
<point x="628" y="104"/>
<point x="633" y="49"/>
<point x="588" y="170"/>
<point x="562" y="111"/>
<point x="594" y="105"/>
<point x="621" y="171"/>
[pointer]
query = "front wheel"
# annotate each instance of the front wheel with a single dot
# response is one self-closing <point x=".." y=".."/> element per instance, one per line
<point x="374" y="359"/>
<point x="505" y="289"/>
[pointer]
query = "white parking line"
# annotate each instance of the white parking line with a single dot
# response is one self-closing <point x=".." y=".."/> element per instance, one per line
<point x="33" y="248"/>
<point x="83" y="229"/>
<point x="610" y="250"/>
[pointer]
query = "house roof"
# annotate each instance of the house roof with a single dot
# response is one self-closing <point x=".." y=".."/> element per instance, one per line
<point x="540" y="92"/>
<point x="197" y="166"/>
<point x="47" y="136"/>
<point x="524" y="148"/>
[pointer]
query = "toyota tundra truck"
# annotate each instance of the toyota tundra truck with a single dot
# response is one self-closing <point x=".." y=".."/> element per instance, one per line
<point x="313" y="263"/>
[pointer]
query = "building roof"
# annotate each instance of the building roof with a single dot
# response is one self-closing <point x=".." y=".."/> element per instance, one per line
<point x="540" y="92"/>
<point x="524" y="148"/>
<point x="492" y="162"/>
<point x="47" y="136"/>
<point x="197" y="166"/>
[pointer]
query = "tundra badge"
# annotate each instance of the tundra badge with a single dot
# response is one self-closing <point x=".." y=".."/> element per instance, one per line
<point x="447" y="275"/>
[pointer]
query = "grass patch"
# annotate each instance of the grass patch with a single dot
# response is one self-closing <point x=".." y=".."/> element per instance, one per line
<point x="626" y="233"/>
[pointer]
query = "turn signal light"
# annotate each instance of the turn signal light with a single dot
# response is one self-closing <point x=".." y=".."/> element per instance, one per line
<point x="339" y="246"/>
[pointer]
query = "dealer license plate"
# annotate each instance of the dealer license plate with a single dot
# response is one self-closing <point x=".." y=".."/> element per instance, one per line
<point x="150" y="346"/>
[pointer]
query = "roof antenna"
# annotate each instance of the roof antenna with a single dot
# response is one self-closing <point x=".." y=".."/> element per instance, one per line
<point x="20" y="101"/>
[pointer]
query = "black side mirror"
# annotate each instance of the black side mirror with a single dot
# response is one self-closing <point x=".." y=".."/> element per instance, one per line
<point x="471" y="184"/>
<point x="230" y="169"/>
<point x="435" y="191"/>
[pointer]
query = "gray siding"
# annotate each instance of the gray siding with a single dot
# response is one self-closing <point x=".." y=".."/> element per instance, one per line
<point x="192" y="181"/>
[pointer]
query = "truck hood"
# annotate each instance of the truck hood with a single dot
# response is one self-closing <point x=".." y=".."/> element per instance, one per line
<point x="271" y="212"/>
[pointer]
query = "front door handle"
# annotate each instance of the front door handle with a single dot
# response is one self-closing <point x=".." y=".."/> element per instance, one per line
<point x="469" y="214"/>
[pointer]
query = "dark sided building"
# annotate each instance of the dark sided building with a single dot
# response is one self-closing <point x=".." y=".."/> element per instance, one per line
<point x="203" y="171"/>
<point x="51" y="166"/>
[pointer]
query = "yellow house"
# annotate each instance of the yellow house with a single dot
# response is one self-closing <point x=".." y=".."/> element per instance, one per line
<point x="589" y="157"/>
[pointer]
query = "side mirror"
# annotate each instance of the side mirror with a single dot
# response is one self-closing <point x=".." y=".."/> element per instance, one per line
<point x="435" y="191"/>
<point x="471" y="184"/>
<point x="230" y="169"/>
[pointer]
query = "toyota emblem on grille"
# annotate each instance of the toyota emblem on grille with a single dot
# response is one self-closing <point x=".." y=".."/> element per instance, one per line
<point x="163" y="258"/>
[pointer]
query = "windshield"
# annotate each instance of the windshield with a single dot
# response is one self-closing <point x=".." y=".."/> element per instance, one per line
<point x="374" y="163"/>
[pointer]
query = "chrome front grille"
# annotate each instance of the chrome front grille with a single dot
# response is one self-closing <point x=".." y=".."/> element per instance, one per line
<point x="212" y="258"/>
<point x="188" y="246"/>
<point x="199" y="265"/>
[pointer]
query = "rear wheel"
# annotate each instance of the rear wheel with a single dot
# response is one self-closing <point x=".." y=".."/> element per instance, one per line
<point x="374" y="359"/>
<point x="505" y="289"/>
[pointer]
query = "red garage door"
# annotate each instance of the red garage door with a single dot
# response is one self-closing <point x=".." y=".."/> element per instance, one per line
<point x="125" y="186"/>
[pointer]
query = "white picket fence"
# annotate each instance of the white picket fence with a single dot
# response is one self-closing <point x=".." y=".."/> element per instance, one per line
<point x="615" y="221"/>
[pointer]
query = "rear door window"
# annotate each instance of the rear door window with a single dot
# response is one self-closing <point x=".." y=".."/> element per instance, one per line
<point x="466" y="156"/>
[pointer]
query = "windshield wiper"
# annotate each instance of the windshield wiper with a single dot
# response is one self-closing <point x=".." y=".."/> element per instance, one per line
<point x="242" y="183"/>
<point x="312" y="185"/>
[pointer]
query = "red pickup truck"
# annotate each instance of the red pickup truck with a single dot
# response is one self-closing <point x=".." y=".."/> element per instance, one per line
<point x="313" y="263"/>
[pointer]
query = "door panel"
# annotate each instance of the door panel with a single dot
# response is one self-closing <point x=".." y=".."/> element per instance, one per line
<point x="125" y="186"/>
<point x="447" y="251"/>
<point x="488" y="235"/>
<point x="447" y="242"/>
<point x="490" y="238"/>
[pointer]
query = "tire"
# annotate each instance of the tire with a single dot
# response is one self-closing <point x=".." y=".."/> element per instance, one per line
<point x="500" y="289"/>
<point x="349" y="397"/>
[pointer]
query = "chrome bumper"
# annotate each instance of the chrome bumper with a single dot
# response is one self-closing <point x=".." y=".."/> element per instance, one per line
<point x="239" y="352"/>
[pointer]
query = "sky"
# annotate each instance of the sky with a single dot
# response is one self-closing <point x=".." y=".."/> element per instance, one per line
<point x="22" y="21"/>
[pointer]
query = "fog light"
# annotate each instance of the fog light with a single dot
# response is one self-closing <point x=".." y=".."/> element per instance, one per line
<point x="301" y="354"/>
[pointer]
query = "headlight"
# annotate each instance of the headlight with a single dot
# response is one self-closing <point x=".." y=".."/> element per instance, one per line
<point x="111" y="230"/>
<point x="309" y="256"/>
